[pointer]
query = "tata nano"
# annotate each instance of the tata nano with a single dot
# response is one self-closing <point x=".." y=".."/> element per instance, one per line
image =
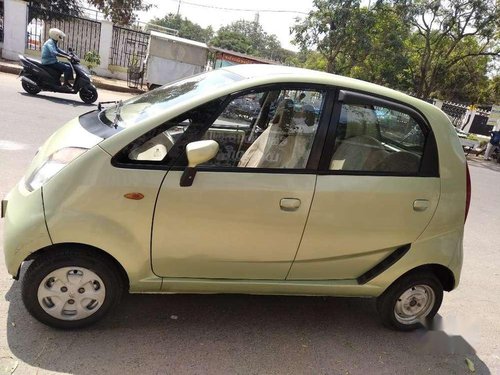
<point x="250" y="179"/>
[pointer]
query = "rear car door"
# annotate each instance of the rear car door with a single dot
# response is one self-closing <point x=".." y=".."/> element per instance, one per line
<point x="377" y="189"/>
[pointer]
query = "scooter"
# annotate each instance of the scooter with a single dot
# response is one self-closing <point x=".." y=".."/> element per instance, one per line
<point x="36" y="77"/>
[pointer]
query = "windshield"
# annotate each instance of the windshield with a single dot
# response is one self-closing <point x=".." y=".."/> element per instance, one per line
<point x="157" y="101"/>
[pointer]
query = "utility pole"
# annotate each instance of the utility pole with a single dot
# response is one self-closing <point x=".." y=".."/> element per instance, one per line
<point x="179" y="7"/>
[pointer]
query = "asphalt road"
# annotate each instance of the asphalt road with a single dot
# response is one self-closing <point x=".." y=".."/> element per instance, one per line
<point x="222" y="334"/>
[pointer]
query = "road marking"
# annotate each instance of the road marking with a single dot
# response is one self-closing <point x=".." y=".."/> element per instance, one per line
<point x="12" y="146"/>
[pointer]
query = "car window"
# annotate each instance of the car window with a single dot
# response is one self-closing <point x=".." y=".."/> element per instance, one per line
<point x="377" y="139"/>
<point x="156" y="144"/>
<point x="267" y="129"/>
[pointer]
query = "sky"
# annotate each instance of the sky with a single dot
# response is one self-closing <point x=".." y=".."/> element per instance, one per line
<point x="278" y="23"/>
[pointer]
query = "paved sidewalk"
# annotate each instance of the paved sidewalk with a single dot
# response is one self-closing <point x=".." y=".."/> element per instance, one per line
<point x="14" y="67"/>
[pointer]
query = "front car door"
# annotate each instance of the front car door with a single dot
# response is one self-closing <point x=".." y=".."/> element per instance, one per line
<point x="244" y="215"/>
<point x="377" y="189"/>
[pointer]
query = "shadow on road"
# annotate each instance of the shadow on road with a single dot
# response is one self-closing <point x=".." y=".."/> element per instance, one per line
<point x="214" y="334"/>
<point x="478" y="161"/>
<point x="71" y="102"/>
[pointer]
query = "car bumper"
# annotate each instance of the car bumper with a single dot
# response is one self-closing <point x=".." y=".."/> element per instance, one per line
<point x="25" y="230"/>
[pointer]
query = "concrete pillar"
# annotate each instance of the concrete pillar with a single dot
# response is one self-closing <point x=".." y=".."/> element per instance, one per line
<point x="15" y="28"/>
<point x="438" y="103"/>
<point x="468" y="120"/>
<point x="105" y="48"/>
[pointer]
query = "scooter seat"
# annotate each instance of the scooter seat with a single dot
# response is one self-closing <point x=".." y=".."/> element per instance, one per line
<point x="53" y="72"/>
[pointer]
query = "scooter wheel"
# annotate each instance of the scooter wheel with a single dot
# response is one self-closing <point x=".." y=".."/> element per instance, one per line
<point x="88" y="96"/>
<point x="29" y="88"/>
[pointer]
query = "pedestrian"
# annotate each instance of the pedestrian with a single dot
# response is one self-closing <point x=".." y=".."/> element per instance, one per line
<point x="50" y="51"/>
<point x="494" y="142"/>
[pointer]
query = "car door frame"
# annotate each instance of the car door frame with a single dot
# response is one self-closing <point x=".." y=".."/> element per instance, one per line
<point x="429" y="166"/>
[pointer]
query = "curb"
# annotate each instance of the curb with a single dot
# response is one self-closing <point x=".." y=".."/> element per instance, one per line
<point x="12" y="69"/>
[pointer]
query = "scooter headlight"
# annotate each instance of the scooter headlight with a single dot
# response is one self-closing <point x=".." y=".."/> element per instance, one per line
<point x="57" y="161"/>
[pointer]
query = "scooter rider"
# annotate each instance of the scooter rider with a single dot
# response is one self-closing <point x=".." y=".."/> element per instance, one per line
<point x="50" y="51"/>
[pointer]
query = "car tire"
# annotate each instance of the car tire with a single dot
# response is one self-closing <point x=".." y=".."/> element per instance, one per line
<point x="29" y="88"/>
<point x="410" y="301"/>
<point x="71" y="288"/>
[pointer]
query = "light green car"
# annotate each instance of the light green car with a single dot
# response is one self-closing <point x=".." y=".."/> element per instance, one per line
<point x="251" y="179"/>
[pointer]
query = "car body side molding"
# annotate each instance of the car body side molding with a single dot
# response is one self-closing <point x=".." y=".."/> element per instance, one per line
<point x="384" y="264"/>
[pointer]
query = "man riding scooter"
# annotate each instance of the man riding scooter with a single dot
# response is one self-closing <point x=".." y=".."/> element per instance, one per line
<point x="39" y="76"/>
<point x="50" y="51"/>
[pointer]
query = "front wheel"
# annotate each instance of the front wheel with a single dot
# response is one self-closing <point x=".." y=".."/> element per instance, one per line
<point x="70" y="288"/>
<point x="29" y="88"/>
<point x="410" y="301"/>
<point x="88" y="95"/>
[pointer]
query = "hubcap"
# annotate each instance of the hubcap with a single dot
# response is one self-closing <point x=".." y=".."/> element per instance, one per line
<point x="414" y="304"/>
<point x="71" y="293"/>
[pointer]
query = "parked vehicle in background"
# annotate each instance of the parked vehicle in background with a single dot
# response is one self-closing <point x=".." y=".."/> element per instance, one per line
<point x="169" y="192"/>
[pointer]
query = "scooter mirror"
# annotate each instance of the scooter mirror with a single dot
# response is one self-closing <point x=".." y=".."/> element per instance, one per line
<point x="70" y="49"/>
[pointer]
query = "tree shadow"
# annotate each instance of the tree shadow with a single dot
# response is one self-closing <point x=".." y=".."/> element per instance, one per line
<point x="235" y="334"/>
<point x="53" y="99"/>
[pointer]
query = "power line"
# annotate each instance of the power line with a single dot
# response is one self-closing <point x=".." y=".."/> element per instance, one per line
<point x="240" y="9"/>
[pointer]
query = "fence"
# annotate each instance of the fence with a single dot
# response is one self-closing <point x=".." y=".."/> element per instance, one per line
<point x="128" y="47"/>
<point x="83" y="35"/>
<point x="456" y="112"/>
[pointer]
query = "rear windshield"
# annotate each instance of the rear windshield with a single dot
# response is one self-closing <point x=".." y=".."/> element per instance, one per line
<point x="154" y="102"/>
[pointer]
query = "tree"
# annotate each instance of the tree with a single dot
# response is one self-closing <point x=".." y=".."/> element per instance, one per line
<point x="250" y="38"/>
<point x="121" y="12"/>
<point x="186" y="28"/>
<point x="443" y="34"/>
<point x="337" y="29"/>
<point x="53" y="9"/>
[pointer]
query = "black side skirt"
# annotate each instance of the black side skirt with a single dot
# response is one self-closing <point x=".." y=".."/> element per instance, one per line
<point x="383" y="265"/>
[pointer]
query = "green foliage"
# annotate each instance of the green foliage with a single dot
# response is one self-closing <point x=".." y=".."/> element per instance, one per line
<point x="121" y="12"/>
<point x="445" y="34"/>
<point x="186" y="28"/>
<point x="92" y="59"/>
<point x="53" y="9"/>
<point x="424" y="47"/>
<point x="250" y="38"/>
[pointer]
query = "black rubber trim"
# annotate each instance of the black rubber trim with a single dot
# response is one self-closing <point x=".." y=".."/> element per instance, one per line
<point x="384" y="265"/>
<point x="90" y="122"/>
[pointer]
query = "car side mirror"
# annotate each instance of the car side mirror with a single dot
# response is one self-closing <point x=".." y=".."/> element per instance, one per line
<point x="197" y="153"/>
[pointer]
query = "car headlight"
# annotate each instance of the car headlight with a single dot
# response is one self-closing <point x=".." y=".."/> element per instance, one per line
<point x="57" y="161"/>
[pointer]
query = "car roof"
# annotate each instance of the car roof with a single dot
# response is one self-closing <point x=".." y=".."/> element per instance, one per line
<point x="279" y="73"/>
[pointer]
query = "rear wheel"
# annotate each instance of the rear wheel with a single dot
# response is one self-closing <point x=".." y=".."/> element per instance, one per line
<point x="29" y="88"/>
<point x="410" y="301"/>
<point x="71" y="288"/>
<point x="88" y="95"/>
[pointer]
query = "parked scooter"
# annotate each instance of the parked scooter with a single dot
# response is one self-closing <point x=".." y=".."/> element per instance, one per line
<point x="36" y="77"/>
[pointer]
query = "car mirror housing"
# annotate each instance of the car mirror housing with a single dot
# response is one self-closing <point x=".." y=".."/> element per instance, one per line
<point x="197" y="153"/>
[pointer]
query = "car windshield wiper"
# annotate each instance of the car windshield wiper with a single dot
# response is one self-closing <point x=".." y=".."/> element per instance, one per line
<point x="118" y="117"/>
<point x="100" y="104"/>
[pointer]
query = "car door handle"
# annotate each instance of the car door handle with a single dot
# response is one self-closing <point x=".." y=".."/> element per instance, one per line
<point x="420" y="205"/>
<point x="289" y="204"/>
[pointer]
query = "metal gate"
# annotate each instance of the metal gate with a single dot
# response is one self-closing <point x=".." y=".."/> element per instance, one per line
<point x="82" y="34"/>
<point x="128" y="47"/>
